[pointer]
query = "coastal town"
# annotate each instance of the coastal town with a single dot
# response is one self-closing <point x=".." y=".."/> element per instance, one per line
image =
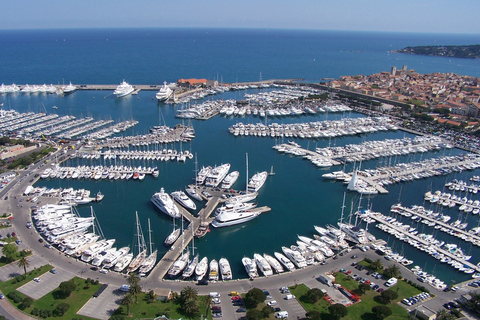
<point x="338" y="270"/>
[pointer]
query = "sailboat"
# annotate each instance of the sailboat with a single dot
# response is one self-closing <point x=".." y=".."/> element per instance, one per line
<point x="192" y="190"/>
<point x="142" y="249"/>
<point x="190" y="269"/>
<point x="271" y="173"/>
<point x="248" y="195"/>
<point x="150" y="261"/>
<point x="172" y="237"/>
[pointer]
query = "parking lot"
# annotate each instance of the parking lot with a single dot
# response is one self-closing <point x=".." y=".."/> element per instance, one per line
<point x="103" y="306"/>
<point x="47" y="282"/>
<point x="12" y="270"/>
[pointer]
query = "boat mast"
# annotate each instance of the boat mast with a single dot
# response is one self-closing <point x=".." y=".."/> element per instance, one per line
<point x="246" y="159"/>
<point x="150" y="236"/>
<point x="343" y="208"/>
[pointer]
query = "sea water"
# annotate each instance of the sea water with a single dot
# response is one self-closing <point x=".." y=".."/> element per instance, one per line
<point x="297" y="194"/>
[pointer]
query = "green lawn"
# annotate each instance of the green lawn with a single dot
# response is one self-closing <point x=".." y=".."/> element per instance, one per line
<point x="300" y="290"/>
<point x="356" y="311"/>
<point x="144" y="309"/>
<point x="76" y="300"/>
<point x="12" y="285"/>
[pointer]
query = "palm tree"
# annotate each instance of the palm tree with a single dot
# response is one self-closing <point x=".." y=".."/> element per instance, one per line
<point x="188" y="293"/>
<point x="135" y="289"/>
<point x="127" y="301"/>
<point x="23" y="263"/>
<point x="133" y="279"/>
<point x="190" y="306"/>
<point x="377" y="264"/>
<point x="392" y="271"/>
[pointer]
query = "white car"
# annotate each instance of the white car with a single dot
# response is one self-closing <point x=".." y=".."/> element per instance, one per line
<point x="103" y="271"/>
<point x="37" y="279"/>
<point x="272" y="303"/>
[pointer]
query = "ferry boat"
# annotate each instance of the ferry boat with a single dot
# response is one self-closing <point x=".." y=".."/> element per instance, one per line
<point x="263" y="265"/>
<point x="164" y="202"/>
<point x="250" y="267"/>
<point x="213" y="274"/>
<point x="217" y="175"/>
<point x="164" y="93"/>
<point x="183" y="199"/>
<point x="225" y="269"/>
<point x="277" y="266"/>
<point x="124" y="89"/>
<point x="257" y="181"/>
<point x="229" y="180"/>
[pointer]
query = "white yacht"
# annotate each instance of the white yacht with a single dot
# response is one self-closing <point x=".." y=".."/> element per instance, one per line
<point x="100" y="257"/>
<point x="96" y="248"/>
<point x="184" y="200"/>
<point x="202" y="174"/>
<point x="192" y="191"/>
<point x="164" y="202"/>
<point x="164" y="93"/>
<point x="277" y="266"/>
<point x="235" y="206"/>
<point x="201" y="269"/>
<point x="263" y="265"/>
<point x="123" y="262"/>
<point x="229" y="180"/>
<point x="151" y="259"/>
<point x="225" y="269"/>
<point x="216" y="175"/>
<point x="250" y="267"/>
<point x="231" y="218"/>
<point x="213" y="274"/>
<point x="354" y="234"/>
<point x="69" y="88"/>
<point x="285" y="261"/>
<point x="190" y="269"/>
<point x="295" y="256"/>
<point x="124" y="89"/>
<point x="179" y="265"/>
<point x="257" y="181"/>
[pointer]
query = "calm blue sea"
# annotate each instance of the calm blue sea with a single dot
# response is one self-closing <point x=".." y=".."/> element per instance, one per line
<point x="297" y="194"/>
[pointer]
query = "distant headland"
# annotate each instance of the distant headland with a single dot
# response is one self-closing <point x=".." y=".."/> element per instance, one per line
<point x="468" y="51"/>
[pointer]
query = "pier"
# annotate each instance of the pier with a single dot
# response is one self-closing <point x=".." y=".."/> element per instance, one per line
<point x="183" y="241"/>
<point x="404" y="234"/>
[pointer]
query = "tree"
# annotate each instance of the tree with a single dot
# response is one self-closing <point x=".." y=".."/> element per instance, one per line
<point x="392" y="271"/>
<point x="474" y="302"/>
<point x="313" y="295"/>
<point x="338" y="310"/>
<point x="381" y="312"/>
<point x="363" y="287"/>
<point x="444" y="315"/>
<point x="23" y="263"/>
<point x="67" y="287"/>
<point x="376" y="264"/>
<point x="61" y="309"/>
<point x="188" y="293"/>
<point x="133" y="279"/>
<point x="127" y="301"/>
<point x="314" y="315"/>
<point x="254" y="297"/>
<point x="387" y="296"/>
<point x="135" y="290"/>
<point x="190" y="306"/>
<point x="9" y="251"/>
<point x="267" y="311"/>
<point x="254" y="314"/>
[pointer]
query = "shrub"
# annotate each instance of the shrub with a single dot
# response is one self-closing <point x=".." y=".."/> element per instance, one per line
<point x="26" y="303"/>
<point x="15" y="296"/>
<point x="61" y="309"/>
<point x="381" y="312"/>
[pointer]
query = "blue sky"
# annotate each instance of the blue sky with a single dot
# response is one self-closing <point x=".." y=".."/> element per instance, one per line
<point x="442" y="16"/>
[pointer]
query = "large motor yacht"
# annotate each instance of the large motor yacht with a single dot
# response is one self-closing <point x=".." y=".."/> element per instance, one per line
<point x="164" y="93"/>
<point x="164" y="202"/>
<point x="124" y="89"/>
